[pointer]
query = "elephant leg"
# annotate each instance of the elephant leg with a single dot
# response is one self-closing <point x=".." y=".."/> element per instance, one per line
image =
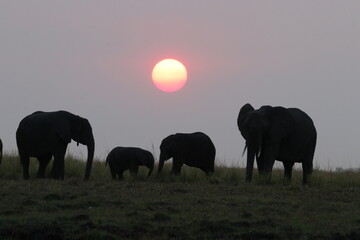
<point x="210" y="169"/>
<point x="134" y="170"/>
<point x="113" y="173"/>
<point x="288" y="170"/>
<point x="121" y="174"/>
<point x="25" y="160"/>
<point x="260" y="164"/>
<point x="269" y="160"/>
<point x="269" y="163"/>
<point x="43" y="162"/>
<point x="58" y="166"/>
<point x="207" y="171"/>
<point x="176" y="168"/>
<point x="307" y="167"/>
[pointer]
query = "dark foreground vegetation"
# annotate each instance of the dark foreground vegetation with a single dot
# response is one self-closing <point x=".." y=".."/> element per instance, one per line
<point x="190" y="206"/>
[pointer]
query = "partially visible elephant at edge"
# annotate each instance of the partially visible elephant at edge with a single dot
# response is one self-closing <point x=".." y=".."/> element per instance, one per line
<point x="277" y="133"/>
<point x="46" y="134"/>
<point x="1" y="150"/>
<point x="193" y="149"/>
<point x="129" y="158"/>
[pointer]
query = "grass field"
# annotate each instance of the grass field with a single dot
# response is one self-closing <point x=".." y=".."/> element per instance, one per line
<point x="190" y="206"/>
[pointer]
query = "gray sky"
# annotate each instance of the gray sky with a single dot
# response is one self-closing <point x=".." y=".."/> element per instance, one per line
<point x="94" y="59"/>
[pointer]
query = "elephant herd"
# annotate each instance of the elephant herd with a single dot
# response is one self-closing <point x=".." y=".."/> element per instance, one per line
<point x="271" y="133"/>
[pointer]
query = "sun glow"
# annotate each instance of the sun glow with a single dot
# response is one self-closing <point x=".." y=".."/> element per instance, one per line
<point x="169" y="75"/>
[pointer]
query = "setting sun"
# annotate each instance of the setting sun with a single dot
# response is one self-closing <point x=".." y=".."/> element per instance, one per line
<point x="169" y="75"/>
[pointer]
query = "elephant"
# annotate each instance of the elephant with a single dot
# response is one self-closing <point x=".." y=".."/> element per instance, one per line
<point x="277" y="133"/>
<point x="46" y="134"/>
<point x="193" y="149"/>
<point x="1" y="150"/>
<point x="124" y="158"/>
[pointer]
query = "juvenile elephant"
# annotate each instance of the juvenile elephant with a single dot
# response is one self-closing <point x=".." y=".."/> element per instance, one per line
<point x="193" y="149"/>
<point x="1" y="150"/>
<point x="47" y="134"/>
<point x="124" y="158"/>
<point x="277" y="133"/>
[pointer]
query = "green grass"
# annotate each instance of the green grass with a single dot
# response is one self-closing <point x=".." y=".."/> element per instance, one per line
<point x="190" y="206"/>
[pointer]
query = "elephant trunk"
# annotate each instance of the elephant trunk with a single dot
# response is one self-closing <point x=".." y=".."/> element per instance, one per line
<point x="150" y="165"/>
<point x="254" y="150"/>
<point x="254" y="145"/>
<point x="107" y="160"/>
<point x="161" y="163"/>
<point x="250" y="163"/>
<point x="91" y="149"/>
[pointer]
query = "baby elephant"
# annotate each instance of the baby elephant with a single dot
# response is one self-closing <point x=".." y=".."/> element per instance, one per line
<point x="124" y="158"/>
<point x="192" y="149"/>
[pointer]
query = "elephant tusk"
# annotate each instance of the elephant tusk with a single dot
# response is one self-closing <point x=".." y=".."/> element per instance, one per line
<point x="259" y="152"/>
<point x="244" y="150"/>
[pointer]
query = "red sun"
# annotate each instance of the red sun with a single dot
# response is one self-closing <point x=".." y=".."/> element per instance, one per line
<point x="169" y="75"/>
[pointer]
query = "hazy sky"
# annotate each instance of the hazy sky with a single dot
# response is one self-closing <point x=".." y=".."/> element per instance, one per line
<point x="94" y="59"/>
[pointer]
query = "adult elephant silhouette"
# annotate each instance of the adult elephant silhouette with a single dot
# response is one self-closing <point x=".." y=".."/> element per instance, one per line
<point x="193" y="149"/>
<point x="124" y="158"/>
<point x="1" y="150"/>
<point x="277" y="133"/>
<point x="46" y="134"/>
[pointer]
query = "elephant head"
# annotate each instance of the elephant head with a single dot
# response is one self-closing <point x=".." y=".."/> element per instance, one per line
<point x="82" y="133"/>
<point x="1" y="150"/>
<point x="79" y="130"/>
<point x="146" y="159"/>
<point x="263" y="131"/>
<point x="167" y="150"/>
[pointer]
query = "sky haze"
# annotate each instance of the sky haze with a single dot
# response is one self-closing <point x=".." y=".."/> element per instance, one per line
<point x="94" y="59"/>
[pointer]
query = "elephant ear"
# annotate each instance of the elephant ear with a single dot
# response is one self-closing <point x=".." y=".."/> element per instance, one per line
<point x="141" y="157"/>
<point x="63" y="130"/>
<point x="144" y="157"/>
<point x="168" y="142"/>
<point x="282" y="124"/>
<point x="241" y="120"/>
